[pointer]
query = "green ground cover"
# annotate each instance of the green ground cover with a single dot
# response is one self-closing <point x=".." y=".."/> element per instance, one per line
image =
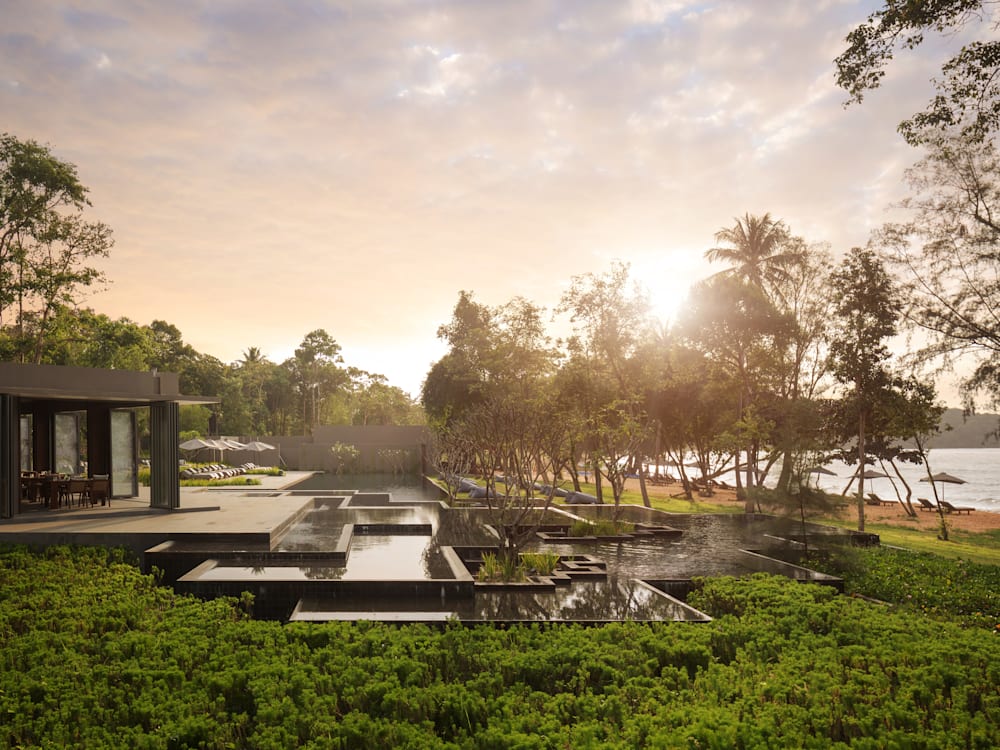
<point x="966" y="545"/>
<point x="955" y="590"/>
<point x="95" y="655"/>
<point x="678" y="504"/>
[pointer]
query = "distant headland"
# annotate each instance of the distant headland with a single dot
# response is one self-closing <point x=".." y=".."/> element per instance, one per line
<point x="973" y="431"/>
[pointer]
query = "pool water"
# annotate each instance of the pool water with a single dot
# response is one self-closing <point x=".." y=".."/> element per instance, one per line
<point x="396" y="554"/>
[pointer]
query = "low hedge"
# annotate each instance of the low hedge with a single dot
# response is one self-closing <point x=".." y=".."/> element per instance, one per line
<point x="96" y="654"/>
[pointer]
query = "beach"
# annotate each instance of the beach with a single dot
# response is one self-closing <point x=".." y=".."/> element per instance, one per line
<point x="977" y="521"/>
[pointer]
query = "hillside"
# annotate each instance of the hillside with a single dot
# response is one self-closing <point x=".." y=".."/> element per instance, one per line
<point x="972" y="431"/>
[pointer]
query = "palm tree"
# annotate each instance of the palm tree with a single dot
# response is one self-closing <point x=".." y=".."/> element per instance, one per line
<point x="761" y="253"/>
<point x="253" y="356"/>
<point x="760" y="250"/>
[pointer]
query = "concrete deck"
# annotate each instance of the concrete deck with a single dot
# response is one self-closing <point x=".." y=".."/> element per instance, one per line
<point x="238" y="515"/>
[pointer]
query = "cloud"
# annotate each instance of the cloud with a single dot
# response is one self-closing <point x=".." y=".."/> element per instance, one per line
<point x="353" y="165"/>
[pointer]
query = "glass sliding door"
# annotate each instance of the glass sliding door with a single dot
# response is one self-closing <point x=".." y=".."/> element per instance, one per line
<point x="67" y="443"/>
<point x="27" y="443"/>
<point x="124" y="477"/>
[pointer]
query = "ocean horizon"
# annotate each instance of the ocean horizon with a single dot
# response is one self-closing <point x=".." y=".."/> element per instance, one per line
<point x="979" y="467"/>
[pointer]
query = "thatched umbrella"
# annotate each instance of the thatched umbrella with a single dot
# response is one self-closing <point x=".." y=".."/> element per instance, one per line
<point x="945" y="478"/>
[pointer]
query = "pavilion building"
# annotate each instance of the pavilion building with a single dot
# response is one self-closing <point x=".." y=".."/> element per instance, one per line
<point x="82" y="421"/>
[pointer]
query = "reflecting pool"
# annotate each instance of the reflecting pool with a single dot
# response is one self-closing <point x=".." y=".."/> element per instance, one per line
<point x="368" y="548"/>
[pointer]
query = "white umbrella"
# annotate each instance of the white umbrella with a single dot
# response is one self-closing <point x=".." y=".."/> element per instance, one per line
<point x="197" y="444"/>
<point x="256" y="446"/>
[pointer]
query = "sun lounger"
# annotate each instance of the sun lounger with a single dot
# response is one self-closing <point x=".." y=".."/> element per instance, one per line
<point x="876" y="500"/>
<point x="955" y="509"/>
<point x="926" y="504"/>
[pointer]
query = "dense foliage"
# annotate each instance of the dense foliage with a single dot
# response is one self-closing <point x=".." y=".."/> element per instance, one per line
<point x="46" y="245"/>
<point x="955" y="590"/>
<point x="96" y="655"/>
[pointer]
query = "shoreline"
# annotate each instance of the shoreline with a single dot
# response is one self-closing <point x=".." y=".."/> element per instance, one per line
<point x="978" y="521"/>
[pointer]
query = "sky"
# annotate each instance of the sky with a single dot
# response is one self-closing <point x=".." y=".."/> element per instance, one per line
<point x="271" y="168"/>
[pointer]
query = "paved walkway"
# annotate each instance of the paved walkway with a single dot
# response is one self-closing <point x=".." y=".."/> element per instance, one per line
<point x="230" y="512"/>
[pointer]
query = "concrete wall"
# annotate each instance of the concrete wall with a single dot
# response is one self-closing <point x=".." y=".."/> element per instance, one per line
<point x="313" y="453"/>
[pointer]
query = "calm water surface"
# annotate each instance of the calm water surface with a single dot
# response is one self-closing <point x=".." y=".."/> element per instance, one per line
<point x="979" y="467"/>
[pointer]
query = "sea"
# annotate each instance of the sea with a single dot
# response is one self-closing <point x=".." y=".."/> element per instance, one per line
<point x="979" y="467"/>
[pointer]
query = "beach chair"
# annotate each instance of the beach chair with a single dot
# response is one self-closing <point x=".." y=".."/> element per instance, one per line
<point x="876" y="500"/>
<point x="955" y="509"/>
<point x="926" y="504"/>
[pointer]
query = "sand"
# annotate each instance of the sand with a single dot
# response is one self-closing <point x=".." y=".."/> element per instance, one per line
<point x="976" y="521"/>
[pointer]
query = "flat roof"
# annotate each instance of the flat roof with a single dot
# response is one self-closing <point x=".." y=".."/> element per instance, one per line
<point x="64" y="383"/>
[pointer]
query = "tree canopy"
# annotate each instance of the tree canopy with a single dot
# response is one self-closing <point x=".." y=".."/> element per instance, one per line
<point x="46" y="246"/>
<point x="968" y="94"/>
<point x="948" y="255"/>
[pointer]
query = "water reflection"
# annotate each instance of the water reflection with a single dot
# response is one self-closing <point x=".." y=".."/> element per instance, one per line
<point x="591" y="601"/>
<point x="400" y="533"/>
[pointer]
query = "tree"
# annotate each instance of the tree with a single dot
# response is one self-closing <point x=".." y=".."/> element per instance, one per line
<point x="45" y="245"/>
<point x="760" y="250"/>
<point x="805" y="297"/>
<point x="968" y="97"/>
<point x="867" y="307"/>
<point x="83" y="338"/>
<point x="251" y="373"/>
<point x="916" y="417"/>
<point x="692" y="407"/>
<point x="316" y="374"/>
<point x="763" y="253"/>
<point x="170" y="353"/>
<point x="492" y="351"/>
<point x="949" y="257"/>
<point x="737" y="328"/>
<point x="610" y="315"/>
<point x="518" y="440"/>
<point x="372" y="401"/>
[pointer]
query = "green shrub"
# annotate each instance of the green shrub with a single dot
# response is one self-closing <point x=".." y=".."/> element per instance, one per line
<point x="238" y="481"/>
<point x="497" y="568"/>
<point x="95" y="654"/>
<point x="267" y="471"/>
<point x="957" y="590"/>
<point x="539" y="563"/>
<point x="603" y="527"/>
<point x="613" y="528"/>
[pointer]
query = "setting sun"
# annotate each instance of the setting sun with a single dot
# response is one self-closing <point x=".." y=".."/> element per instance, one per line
<point x="668" y="280"/>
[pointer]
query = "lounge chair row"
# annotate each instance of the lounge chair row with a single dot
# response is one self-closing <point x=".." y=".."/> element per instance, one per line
<point x="217" y="471"/>
<point x="945" y="506"/>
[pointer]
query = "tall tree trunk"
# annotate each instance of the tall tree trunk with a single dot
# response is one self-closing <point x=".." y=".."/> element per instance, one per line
<point x="861" y="470"/>
<point x="741" y="493"/>
<point x="642" y="488"/>
<point x="943" y="526"/>
<point x="907" y="505"/>
<point x="597" y="482"/>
